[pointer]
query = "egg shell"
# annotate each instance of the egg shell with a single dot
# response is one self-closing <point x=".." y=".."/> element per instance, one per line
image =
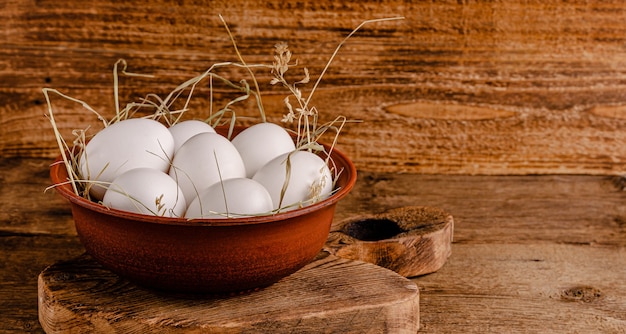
<point x="146" y="191"/>
<point x="306" y="171"/>
<point x="238" y="197"/>
<point x="122" y="146"/>
<point x="184" y="130"/>
<point x="195" y="164"/>
<point x="260" y="143"/>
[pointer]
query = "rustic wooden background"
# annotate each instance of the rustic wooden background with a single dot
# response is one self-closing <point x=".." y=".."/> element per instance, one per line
<point x="458" y="87"/>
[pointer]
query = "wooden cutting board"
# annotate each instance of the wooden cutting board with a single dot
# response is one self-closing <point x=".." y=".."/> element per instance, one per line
<point x="410" y="240"/>
<point x="330" y="295"/>
<point x="345" y="290"/>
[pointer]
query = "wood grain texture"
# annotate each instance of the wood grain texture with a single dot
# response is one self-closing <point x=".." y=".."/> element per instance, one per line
<point x="564" y="209"/>
<point x="530" y="253"/>
<point x="329" y="295"/>
<point x="458" y="87"/>
<point x="410" y="240"/>
<point x="27" y="207"/>
<point x="24" y="256"/>
<point x="526" y="288"/>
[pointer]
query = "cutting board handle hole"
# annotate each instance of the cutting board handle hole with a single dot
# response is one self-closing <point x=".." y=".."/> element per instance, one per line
<point x="372" y="229"/>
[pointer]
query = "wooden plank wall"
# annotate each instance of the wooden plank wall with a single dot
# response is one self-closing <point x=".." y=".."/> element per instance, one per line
<point x="457" y="87"/>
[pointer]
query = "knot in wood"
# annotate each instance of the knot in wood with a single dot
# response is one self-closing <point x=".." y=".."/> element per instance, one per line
<point x="585" y="294"/>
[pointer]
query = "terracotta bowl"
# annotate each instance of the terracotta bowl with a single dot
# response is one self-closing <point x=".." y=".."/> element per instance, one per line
<point x="215" y="256"/>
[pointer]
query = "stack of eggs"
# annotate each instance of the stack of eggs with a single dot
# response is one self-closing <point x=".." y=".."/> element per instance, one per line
<point x="188" y="170"/>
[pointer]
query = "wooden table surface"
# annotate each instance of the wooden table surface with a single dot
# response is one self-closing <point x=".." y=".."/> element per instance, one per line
<point x="530" y="254"/>
<point x="510" y="115"/>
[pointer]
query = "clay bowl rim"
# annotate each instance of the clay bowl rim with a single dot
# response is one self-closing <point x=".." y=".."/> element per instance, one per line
<point x="58" y="175"/>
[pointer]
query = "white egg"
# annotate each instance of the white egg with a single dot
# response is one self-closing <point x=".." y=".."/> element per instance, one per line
<point x="261" y="143"/>
<point x="238" y="197"/>
<point x="122" y="146"/>
<point x="146" y="191"/>
<point x="309" y="179"/>
<point x="203" y="160"/>
<point x="184" y="130"/>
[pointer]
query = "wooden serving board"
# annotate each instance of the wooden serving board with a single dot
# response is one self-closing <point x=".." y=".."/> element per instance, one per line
<point x="330" y="295"/>
<point x="410" y="240"/>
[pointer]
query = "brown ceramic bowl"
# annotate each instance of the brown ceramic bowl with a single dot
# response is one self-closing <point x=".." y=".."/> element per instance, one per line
<point x="214" y="256"/>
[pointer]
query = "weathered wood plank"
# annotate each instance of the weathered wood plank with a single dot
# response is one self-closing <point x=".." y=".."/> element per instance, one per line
<point x="329" y="295"/>
<point x="529" y="252"/>
<point x="27" y="209"/>
<point x="23" y="258"/>
<point x="500" y="205"/>
<point x="567" y="209"/>
<point x="457" y="87"/>
<point x="521" y="288"/>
